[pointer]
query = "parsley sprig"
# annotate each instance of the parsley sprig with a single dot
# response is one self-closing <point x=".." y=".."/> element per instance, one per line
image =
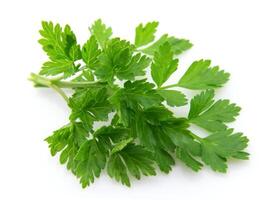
<point x="143" y="133"/>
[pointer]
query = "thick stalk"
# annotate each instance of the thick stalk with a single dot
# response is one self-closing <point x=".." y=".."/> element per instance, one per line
<point x="56" y="84"/>
<point x="41" y="81"/>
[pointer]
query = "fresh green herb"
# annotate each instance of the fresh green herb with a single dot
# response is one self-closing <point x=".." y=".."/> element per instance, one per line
<point x="143" y="133"/>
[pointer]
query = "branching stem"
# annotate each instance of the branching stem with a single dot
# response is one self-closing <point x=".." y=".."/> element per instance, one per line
<point x="57" y="84"/>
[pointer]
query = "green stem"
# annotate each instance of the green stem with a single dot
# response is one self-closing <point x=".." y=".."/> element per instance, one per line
<point x="41" y="81"/>
<point x="83" y="84"/>
<point x="60" y="91"/>
<point x="169" y="86"/>
<point x="57" y="84"/>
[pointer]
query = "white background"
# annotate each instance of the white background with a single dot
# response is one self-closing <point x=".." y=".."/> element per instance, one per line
<point x="239" y="36"/>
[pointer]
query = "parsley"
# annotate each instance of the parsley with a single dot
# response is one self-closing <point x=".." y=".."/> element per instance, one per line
<point x="143" y="133"/>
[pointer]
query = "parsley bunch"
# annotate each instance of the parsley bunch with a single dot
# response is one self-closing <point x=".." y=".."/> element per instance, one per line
<point x="143" y="133"/>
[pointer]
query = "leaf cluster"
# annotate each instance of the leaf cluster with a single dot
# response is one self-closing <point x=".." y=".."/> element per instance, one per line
<point x="142" y="134"/>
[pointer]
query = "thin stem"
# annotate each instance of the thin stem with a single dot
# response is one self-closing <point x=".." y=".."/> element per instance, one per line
<point x="84" y="84"/>
<point x="56" y="84"/>
<point x="60" y="91"/>
<point x="169" y="86"/>
<point x="41" y="81"/>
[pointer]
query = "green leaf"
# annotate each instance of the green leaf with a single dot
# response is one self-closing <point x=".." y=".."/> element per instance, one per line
<point x="117" y="170"/>
<point x="186" y="146"/>
<point x="212" y="116"/>
<point x="133" y="160"/>
<point x="135" y="67"/>
<point x="217" y="148"/>
<point x="138" y="160"/>
<point x="116" y="54"/>
<point x="210" y="157"/>
<point x="144" y="132"/>
<point x="164" y="160"/>
<point x="241" y="155"/>
<point x="142" y="93"/>
<point x="188" y="159"/>
<point x="59" y="139"/>
<point x="159" y="131"/>
<point x="90" y="105"/>
<point x="121" y="145"/>
<point x="61" y="47"/>
<point x="90" y="52"/>
<point x="173" y="97"/>
<point x="145" y="34"/>
<point x="55" y="67"/>
<point x="86" y="75"/>
<point x="101" y="32"/>
<point x="200" y="102"/>
<point x="140" y="132"/>
<point x="115" y="134"/>
<point x="118" y="59"/>
<point x="176" y="130"/>
<point x="163" y="65"/>
<point x="149" y="130"/>
<point x="136" y="94"/>
<point x="91" y="160"/>
<point x="222" y="110"/>
<point x="125" y="112"/>
<point x="157" y="114"/>
<point x="201" y="76"/>
<point x="227" y="143"/>
<point x="67" y="140"/>
<point x="177" y="45"/>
